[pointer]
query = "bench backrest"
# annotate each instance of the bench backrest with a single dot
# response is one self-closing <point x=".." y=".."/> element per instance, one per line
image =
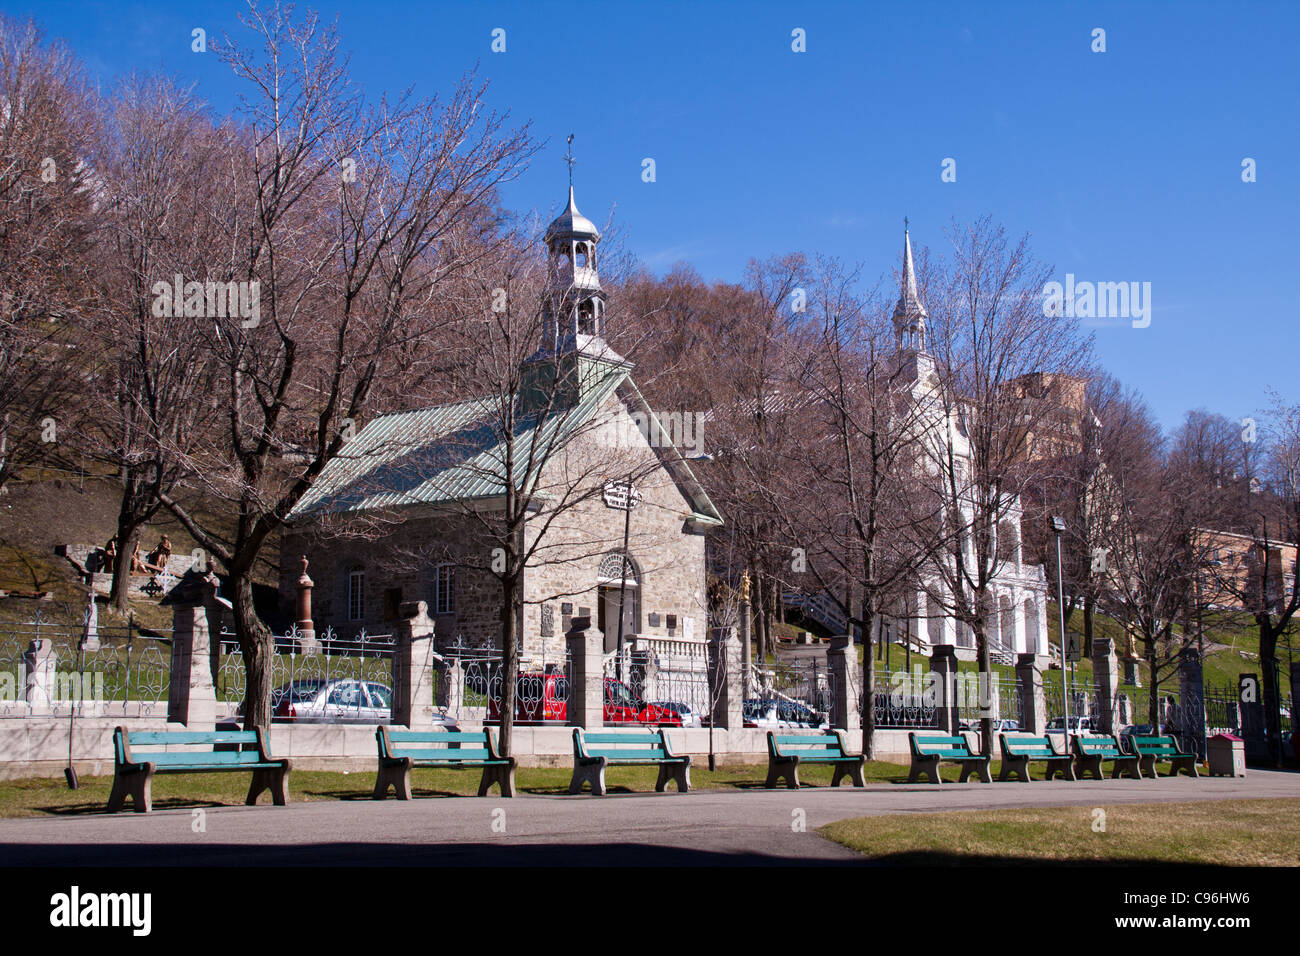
<point x="1098" y="747"/>
<point x="622" y="746"/>
<point x="1156" y="746"/>
<point x="1027" y="746"/>
<point x="808" y="746"/>
<point x="928" y="745"/>
<point x="448" y="745"/>
<point x="218" y="746"/>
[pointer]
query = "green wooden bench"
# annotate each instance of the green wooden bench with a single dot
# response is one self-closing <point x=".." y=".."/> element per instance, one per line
<point x="1017" y="752"/>
<point x="592" y="753"/>
<point x="224" y="751"/>
<point x="929" y="750"/>
<point x="400" y="750"/>
<point x="1150" y="750"/>
<point x="785" y="753"/>
<point x="1089" y="752"/>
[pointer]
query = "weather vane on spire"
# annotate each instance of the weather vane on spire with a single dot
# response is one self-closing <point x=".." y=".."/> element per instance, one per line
<point x="568" y="158"/>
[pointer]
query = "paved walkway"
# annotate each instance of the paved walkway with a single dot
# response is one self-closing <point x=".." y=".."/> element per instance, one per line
<point x="703" y="827"/>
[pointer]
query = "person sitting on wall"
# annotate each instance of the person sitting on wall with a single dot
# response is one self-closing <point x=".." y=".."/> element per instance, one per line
<point x="156" y="560"/>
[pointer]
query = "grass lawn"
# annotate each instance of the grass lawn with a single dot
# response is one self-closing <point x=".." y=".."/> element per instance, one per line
<point x="43" y="796"/>
<point x="1221" y="832"/>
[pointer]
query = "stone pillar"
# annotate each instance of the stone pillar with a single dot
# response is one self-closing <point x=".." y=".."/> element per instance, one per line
<point x="726" y="678"/>
<point x="1105" y="674"/>
<point x="844" y="684"/>
<point x="40" y="683"/>
<point x="1191" y="701"/>
<point x="1033" y="703"/>
<point x="191" y="697"/>
<point x="303" y="624"/>
<point x="413" y="668"/>
<point x="943" y="671"/>
<point x="586" y="706"/>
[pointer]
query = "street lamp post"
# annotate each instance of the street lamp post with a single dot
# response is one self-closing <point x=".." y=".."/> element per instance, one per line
<point x="1058" y="528"/>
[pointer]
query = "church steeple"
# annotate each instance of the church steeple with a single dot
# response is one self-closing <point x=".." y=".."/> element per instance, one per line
<point x="909" y="313"/>
<point x="573" y="317"/>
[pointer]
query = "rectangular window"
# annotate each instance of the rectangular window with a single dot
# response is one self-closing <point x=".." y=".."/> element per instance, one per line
<point x="356" y="595"/>
<point x="444" y="589"/>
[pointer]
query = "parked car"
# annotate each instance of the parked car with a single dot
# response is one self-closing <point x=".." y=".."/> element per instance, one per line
<point x="335" y="701"/>
<point x="690" y="717"/>
<point x="1001" y="725"/>
<point x="1078" y="725"/>
<point x="760" y="714"/>
<point x="1127" y="734"/>
<point x="544" y="696"/>
<point x="791" y="713"/>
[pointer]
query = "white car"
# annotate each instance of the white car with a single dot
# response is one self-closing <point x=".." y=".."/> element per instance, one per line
<point x="689" y="715"/>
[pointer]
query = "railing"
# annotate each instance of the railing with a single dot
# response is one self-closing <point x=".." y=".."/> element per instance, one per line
<point x="794" y="694"/>
<point x="49" y="669"/>
<point x="347" y="681"/>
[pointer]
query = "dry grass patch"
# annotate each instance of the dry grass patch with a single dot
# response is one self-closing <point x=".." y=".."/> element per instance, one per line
<point x="1217" y="832"/>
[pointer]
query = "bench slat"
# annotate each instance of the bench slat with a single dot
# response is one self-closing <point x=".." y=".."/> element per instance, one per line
<point x="621" y="738"/>
<point x="228" y="758"/>
<point x="434" y="736"/>
<point x="153" y="737"/>
<point x="651" y="754"/>
<point x="818" y="756"/>
<point x="442" y="753"/>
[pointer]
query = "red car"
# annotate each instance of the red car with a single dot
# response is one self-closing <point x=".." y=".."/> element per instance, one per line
<point x="544" y="697"/>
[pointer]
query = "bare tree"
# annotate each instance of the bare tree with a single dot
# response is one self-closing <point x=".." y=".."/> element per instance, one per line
<point x="353" y="223"/>
<point x="47" y="122"/>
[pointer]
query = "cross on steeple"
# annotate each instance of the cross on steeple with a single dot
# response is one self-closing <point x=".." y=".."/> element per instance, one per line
<point x="568" y="158"/>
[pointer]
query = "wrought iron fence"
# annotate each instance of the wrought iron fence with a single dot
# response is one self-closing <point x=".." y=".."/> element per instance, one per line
<point x="51" y="669"/>
<point x="789" y="694"/>
<point x="342" y="680"/>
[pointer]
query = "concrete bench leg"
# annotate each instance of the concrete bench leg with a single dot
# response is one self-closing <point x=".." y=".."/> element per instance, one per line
<point x="593" y="773"/>
<point x="137" y="784"/>
<point x="680" y="773"/>
<point x="853" y="771"/>
<point x="1147" y="766"/>
<point x="276" y="780"/>
<point x="980" y="767"/>
<point x="1128" y="766"/>
<point x="395" y="774"/>
<point x="503" y="775"/>
<point x="1185" y="764"/>
<point x="787" y="770"/>
<point x="925" y="765"/>
<point x="1088" y="765"/>
<point x="1065" y="768"/>
<point x="1011" y="767"/>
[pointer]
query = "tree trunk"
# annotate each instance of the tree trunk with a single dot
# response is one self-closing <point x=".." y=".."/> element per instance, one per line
<point x="1089" y="618"/>
<point x="510" y="603"/>
<point x="868" y="691"/>
<point x="986" y="678"/>
<point x="1153" y="700"/>
<point x="1269" y="674"/>
<point x="128" y="534"/>
<point x="258" y="647"/>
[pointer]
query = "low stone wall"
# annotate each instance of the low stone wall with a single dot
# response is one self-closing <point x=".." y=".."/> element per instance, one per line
<point x="38" y="746"/>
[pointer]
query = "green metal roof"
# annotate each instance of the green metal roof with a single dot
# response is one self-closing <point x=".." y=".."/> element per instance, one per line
<point x="456" y="453"/>
<point x="443" y="454"/>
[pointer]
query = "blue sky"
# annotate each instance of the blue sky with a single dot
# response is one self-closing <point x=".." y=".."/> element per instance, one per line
<point x="1122" y="166"/>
